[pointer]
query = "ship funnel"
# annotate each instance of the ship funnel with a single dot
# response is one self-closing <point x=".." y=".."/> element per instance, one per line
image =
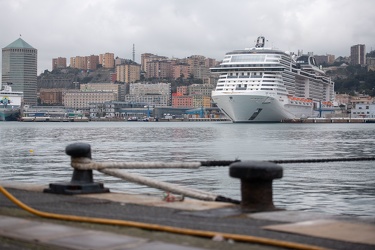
<point x="260" y="42"/>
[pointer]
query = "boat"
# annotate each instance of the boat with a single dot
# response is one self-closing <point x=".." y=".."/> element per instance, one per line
<point x="261" y="84"/>
<point x="10" y="104"/>
<point x="132" y="119"/>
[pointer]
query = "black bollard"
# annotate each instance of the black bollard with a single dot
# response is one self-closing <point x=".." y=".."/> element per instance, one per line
<point x="256" y="183"/>
<point x="82" y="181"/>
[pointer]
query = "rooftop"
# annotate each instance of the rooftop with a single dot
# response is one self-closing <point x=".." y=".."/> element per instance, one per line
<point x="19" y="43"/>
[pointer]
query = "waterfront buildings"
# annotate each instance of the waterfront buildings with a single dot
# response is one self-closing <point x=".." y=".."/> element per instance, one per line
<point x="19" y="66"/>
<point x="193" y="96"/>
<point x="51" y="96"/>
<point x="82" y="99"/>
<point x="103" y="87"/>
<point x="363" y="111"/>
<point x="153" y="94"/>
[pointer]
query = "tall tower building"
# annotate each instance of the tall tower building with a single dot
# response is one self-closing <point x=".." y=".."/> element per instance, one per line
<point x="358" y="54"/>
<point x="20" y="68"/>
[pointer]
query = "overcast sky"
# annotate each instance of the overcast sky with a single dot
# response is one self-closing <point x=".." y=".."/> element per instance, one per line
<point x="181" y="28"/>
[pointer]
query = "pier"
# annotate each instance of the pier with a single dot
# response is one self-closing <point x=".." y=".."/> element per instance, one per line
<point x="330" y="120"/>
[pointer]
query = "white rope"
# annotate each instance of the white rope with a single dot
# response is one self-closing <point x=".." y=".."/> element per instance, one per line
<point x="193" y="193"/>
<point x="113" y="169"/>
<point x="82" y="163"/>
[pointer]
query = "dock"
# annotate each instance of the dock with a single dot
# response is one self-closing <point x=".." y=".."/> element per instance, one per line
<point x="83" y="214"/>
<point x="276" y="229"/>
<point x="330" y="120"/>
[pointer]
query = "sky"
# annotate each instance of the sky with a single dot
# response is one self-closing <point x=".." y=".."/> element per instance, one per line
<point x="181" y="28"/>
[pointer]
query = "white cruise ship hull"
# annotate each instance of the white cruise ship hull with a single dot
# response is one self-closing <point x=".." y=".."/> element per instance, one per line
<point x="247" y="108"/>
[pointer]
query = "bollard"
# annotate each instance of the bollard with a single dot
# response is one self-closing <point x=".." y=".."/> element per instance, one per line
<point x="256" y="183"/>
<point x="82" y="181"/>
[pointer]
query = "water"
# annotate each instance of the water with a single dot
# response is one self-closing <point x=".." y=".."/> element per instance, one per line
<point x="35" y="153"/>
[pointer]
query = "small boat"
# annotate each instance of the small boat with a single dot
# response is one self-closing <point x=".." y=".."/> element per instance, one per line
<point x="132" y="119"/>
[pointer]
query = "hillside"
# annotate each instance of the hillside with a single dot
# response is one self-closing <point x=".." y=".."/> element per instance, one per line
<point x="68" y="77"/>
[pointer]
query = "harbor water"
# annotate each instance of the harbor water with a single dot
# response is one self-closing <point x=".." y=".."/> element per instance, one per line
<point x="35" y="153"/>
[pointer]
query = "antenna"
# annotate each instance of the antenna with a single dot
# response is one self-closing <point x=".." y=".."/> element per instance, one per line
<point x="133" y="52"/>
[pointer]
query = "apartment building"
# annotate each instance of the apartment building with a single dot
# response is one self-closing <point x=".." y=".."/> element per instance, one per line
<point x="92" y="62"/>
<point x="58" y="63"/>
<point x="85" y="62"/>
<point x="128" y="72"/>
<point x="157" y="94"/>
<point x="363" y="111"/>
<point x="159" y="69"/>
<point x="107" y="60"/>
<point x="148" y="57"/>
<point x="51" y="96"/>
<point x="102" y="87"/>
<point x="358" y="54"/>
<point x="182" y="101"/>
<point x="160" y="88"/>
<point x="201" y="101"/>
<point x="182" y="90"/>
<point x="180" y="70"/>
<point x="200" y="89"/>
<point x="82" y="99"/>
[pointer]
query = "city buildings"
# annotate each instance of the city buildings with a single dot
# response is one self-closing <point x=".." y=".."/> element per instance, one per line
<point x="19" y="66"/>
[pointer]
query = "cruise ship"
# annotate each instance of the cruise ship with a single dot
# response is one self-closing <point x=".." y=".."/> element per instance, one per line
<point x="10" y="104"/>
<point x="263" y="84"/>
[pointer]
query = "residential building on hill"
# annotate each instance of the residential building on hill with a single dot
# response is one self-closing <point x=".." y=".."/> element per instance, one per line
<point x="148" y="57"/>
<point x="128" y="72"/>
<point x="107" y="60"/>
<point x="358" y="54"/>
<point x="159" y="69"/>
<point x="58" y="63"/>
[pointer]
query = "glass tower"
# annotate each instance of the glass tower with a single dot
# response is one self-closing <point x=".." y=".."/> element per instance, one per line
<point x="20" y="68"/>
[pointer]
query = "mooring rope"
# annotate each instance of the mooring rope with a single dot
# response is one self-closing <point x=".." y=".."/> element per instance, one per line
<point x="111" y="168"/>
<point x="87" y="164"/>
<point x="324" y="160"/>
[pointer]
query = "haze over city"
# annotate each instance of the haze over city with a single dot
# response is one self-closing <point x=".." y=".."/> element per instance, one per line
<point x="183" y="28"/>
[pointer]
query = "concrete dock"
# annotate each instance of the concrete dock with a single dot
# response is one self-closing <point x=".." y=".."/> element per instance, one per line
<point x="278" y="229"/>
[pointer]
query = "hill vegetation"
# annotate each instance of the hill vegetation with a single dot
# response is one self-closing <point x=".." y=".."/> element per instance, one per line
<point x="353" y="80"/>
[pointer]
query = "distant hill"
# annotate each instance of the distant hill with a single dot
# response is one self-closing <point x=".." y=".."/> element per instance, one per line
<point x="353" y="79"/>
<point x="68" y="78"/>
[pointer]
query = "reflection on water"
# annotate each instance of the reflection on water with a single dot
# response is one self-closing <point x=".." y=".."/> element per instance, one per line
<point x="35" y="152"/>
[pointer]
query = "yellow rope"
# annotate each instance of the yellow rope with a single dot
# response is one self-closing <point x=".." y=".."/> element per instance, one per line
<point x="177" y="230"/>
